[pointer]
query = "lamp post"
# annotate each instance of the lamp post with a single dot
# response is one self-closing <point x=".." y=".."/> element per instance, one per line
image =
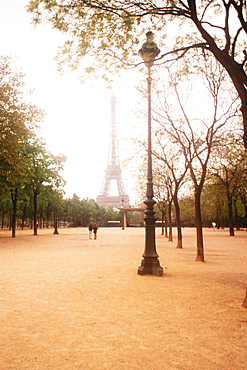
<point x="123" y="213"/>
<point x="150" y="263"/>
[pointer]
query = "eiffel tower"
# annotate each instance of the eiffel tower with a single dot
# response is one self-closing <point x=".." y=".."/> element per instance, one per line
<point x="113" y="170"/>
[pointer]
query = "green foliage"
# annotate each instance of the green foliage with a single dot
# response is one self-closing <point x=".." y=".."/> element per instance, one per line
<point x="86" y="210"/>
<point x="115" y="28"/>
<point x="25" y="164"/>
<point x="17" y="123"/>
<point x="5" y="207"/>
<point x="43" y="167"/>
<point x="104" y="35"/>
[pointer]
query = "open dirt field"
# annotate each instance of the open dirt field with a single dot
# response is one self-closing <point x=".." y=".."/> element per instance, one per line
<point x="67" y="302"/>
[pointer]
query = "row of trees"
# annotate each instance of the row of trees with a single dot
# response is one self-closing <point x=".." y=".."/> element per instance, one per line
<point x="214" y="207"/>
<point x="31" y="185"/>
<point x="26" y="167"/>
<point x="30" y="176"/>
<point x="197" y="144"/>
<point x="52" y="206"/>
<point x="103" y="38"/>
<point x="53" y="209"/>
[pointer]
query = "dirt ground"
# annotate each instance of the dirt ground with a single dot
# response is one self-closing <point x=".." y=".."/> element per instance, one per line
<point x="67" y="302"/>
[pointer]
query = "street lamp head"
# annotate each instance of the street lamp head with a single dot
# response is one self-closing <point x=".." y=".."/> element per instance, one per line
<point x="149" y="50"/>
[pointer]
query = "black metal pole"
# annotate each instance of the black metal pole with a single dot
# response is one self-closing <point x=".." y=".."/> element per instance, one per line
<point x="123" y="213"/>
<point x="150" y="263"/>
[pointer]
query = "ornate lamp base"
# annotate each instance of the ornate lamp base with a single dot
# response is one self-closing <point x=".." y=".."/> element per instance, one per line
<point x="150" y="266"/>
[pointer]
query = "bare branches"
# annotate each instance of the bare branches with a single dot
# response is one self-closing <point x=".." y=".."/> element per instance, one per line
<point x="197" y="141"/>
<point x="195" y="137"/>
<point x="184" y="50"/>
<point x="109" y="33"/>
<point x="239" y="6"/>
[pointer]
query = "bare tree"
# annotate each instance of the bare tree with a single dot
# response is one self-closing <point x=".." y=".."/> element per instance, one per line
<point x="197" y="137"/>
<point x="177" y="171"/>
<point x="242" y="181"/>
<point x="170" y="212"/>
<point x="160" y="194"/>
<point x="229" y="167"/>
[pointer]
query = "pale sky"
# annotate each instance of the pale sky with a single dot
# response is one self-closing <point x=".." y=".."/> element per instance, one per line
<point x="77" y="118"/>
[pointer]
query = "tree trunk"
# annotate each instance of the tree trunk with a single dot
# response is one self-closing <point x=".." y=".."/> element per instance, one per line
<point x="170" y="220"/>
<point x="245" y="300"/>
<point x="199" y="236"/>
<point x="14" y="201"/>
<point x="166" y="223"/>
<point x="35" y="226"/>
<point x="245" y="207"/>
<point x="2" y="219"/>
<point x="55" y="224"/>
<point x="178" y="221"/>
<point x="218" y="216"/>
<point x="236" y="216"/>
<point x="23" y="217"/>
<point x="234" y="69"/>
<point x="231" y="229"/>
<point x="162" y="221"/>
<point x="244" y="113"/>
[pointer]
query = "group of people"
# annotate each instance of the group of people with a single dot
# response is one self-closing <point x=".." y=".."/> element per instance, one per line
<point x="93" y="229"/>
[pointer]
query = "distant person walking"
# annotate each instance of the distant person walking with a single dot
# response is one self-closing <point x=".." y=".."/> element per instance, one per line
<point x="91" y="230"/>
<point x="95" y="228"/>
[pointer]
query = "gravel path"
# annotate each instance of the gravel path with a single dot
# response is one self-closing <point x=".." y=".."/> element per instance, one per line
<point x="67" y="302"/>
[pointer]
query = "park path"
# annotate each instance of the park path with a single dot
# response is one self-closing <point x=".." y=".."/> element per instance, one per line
<point x="67" y="302"/>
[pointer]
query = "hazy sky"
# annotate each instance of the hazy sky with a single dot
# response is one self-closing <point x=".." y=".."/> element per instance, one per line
<point x="77" y="116"/>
